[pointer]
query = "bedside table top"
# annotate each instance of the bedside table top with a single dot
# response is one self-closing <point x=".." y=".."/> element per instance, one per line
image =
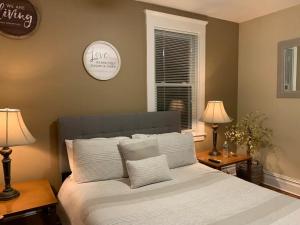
<point x="203" y="157"/>
<point x="33" y="194"/>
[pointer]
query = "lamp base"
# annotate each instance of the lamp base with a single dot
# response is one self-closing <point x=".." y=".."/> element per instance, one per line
<point x="11" y="193"/>
<point x="214" y="152"/>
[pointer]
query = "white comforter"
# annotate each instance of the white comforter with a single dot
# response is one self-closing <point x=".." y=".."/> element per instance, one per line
<point x="197" y="195"/>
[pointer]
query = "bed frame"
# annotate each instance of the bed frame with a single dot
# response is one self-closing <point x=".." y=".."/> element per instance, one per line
<point x="110" y="126"/>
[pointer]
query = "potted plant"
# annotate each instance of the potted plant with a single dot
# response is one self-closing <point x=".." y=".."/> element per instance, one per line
<point x="251" y="133"/>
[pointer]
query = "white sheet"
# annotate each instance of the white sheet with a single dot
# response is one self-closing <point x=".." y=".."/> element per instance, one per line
<point x="197" y="195"/>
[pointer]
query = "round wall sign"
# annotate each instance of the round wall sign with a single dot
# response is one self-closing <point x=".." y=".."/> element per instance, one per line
<point x="102" y="60"/>
<point x="18" y="18"/>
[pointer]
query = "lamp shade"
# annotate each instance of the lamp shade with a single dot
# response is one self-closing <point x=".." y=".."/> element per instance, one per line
<point x="176" y="105"/>
<point x="13" y="131"/>
<point x="215" y="113"/>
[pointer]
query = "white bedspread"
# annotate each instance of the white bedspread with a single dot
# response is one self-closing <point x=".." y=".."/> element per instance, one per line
<point x="198" y="195"/>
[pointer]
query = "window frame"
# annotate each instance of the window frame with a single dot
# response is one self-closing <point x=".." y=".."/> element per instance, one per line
<point x="169" y="22"/>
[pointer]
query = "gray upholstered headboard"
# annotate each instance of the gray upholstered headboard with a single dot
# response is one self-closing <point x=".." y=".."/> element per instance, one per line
<point x="111" y="126"/>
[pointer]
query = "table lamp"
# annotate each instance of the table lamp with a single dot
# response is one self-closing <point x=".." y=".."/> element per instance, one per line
<point x="176" y="105"/>
<point x="214" y="114"/>
<point x="13" y="132"/>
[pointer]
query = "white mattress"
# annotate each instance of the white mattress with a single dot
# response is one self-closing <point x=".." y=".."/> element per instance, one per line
<point x="197" y="195"/>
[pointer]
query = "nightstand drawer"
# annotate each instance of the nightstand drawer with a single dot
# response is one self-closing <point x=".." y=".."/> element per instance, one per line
<point x="231" y="169"/>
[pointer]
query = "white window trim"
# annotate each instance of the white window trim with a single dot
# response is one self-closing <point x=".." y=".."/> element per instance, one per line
<point x="175" y="23"/>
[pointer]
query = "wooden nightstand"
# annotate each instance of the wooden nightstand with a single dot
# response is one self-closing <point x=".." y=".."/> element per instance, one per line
<point x="36" y="197"/>
<point x="203" y="157"/>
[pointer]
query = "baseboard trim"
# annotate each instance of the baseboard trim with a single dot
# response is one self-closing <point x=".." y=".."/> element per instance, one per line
<point x="282" y="182"/>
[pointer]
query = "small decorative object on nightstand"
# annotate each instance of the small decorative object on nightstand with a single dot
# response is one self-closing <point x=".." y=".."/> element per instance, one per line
<point x="36" y="198"/>
<point x="225" y="149"/>
<point x="13" y="132"/>
<point x="214" y="114"/>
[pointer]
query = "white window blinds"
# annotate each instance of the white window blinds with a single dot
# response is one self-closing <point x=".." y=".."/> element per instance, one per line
<point x="176" y="57"/>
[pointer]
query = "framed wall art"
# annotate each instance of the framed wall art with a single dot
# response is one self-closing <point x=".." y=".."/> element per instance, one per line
<point x="102" y="60"/>
<point x="18" y="18"/>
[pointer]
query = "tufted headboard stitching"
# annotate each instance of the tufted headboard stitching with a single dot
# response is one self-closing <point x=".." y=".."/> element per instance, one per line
<point x="110" y="126"/>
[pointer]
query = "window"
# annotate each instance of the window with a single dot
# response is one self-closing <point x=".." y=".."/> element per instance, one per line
<point x="176" y="67"/>
<point x="175" y="74"/>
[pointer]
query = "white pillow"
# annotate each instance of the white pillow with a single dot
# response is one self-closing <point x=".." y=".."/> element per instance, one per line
<point x="97" y="159"/>
<point x="148" y="171"/>
<point x="140" y="136"/>
<point x="137" y="149"/>
<point x="179" y="148"/>
<point x="69" y="145"/>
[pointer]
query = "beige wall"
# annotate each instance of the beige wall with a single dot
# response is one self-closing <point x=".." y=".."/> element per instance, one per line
<point x="43" y="75"/>
<point x="258" y="82"/>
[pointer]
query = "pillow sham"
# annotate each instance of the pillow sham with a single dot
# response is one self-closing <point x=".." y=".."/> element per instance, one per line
<point x="140" y="136"/>
<point x="179" y="148"/>
<point x="97" y="159"/>
<point x="148" y="171"/>
<point x="69" y="146"/>
<point x="137" y="149"/>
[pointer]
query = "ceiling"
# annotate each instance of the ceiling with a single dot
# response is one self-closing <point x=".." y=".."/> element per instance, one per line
<point x="232" y="10"/>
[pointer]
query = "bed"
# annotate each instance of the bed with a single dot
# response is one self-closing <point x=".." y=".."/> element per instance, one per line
<point x="197" y="194"/>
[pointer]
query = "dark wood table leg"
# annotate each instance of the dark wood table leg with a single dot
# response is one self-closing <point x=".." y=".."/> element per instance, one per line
<point x="49" y="215"/>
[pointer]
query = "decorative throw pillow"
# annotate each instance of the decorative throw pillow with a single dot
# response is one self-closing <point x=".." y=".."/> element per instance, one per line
<point x="97" y="159"/>
<point x="137" y="149"/>
<point x="179" y="148"/>
<point x="69" y="146"/>
<point x="148" y="171"/>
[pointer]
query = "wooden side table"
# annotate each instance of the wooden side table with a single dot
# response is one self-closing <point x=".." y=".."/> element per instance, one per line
<point x="36" y="197"/>
<point x="203" y="157"/>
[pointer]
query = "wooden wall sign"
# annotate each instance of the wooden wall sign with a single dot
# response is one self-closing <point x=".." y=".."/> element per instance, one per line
<point x="18" y="18"/>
